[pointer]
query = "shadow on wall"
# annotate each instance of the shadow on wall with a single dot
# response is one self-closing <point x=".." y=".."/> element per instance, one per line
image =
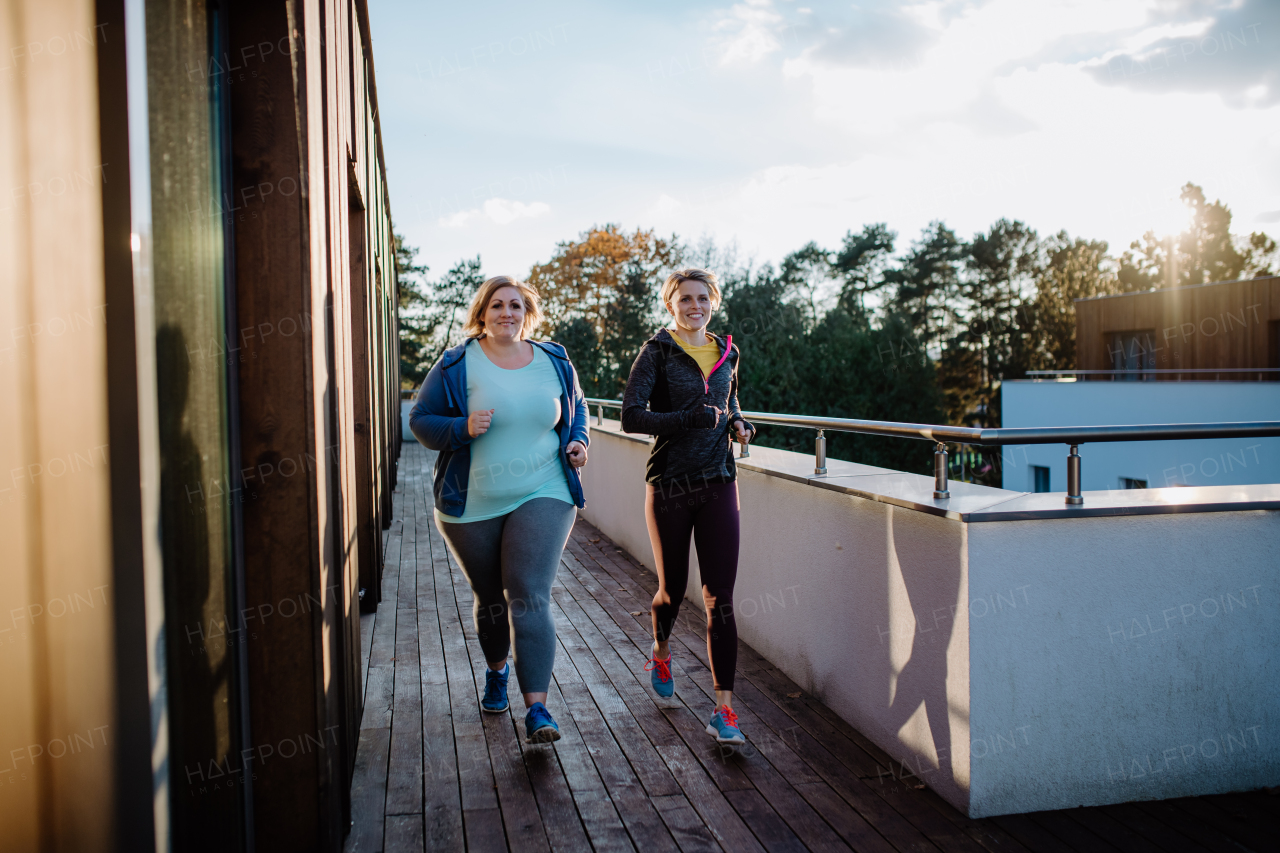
<point x="932" y="590"/>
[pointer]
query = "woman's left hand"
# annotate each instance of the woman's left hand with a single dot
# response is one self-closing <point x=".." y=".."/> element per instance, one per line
<point x="577" y="453"/>
<point x="745" y="433"/>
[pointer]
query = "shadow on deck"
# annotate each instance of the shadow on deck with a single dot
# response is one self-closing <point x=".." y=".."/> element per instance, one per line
<point x="637" y="772"/>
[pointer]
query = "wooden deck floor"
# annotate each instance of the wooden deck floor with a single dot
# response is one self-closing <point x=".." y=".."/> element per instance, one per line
<point x="636" y="772"/>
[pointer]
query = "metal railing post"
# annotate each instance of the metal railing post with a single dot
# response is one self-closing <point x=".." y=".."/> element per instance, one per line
<point x="600" y="415"/>
<point x="940" y="490"/>
<point x="1074" y="498"/>
<point x="820" y="454"/>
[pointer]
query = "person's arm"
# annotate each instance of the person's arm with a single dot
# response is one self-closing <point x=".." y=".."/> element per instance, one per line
<point x="433" y="429"/>
<point x="579" y="428"/>
<point x="735" y="413"/>
<point x="636" y="416"/>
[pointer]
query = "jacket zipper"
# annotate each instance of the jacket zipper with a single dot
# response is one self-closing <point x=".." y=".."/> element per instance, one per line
<point x="706" y="380"/>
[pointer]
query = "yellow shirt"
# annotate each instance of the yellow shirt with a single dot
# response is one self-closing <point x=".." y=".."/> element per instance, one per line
<point x="706" y="355"/>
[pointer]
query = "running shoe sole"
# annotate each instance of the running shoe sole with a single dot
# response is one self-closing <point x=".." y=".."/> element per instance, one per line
<point x="501" y="710"/>
<point x="546" y="734"/>
<point x="711" y="730"/>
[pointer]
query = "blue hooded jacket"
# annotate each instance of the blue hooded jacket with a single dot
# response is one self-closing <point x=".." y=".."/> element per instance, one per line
<point x="439" y="421"/>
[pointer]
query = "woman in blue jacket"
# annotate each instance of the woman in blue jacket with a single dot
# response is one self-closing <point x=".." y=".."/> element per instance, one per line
<point x="509" y="420"/>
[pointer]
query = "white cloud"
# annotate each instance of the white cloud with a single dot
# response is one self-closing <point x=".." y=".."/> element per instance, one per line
<point x="752" y="32"/>
<point x="500" y="211"/>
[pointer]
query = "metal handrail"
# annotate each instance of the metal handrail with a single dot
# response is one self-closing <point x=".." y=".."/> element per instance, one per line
<point x="1071" y="436"/>
<point x="1154" y="371"/>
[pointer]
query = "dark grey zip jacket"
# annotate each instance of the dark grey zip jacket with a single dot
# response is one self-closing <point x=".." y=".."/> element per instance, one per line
<point x="668" y="397"/>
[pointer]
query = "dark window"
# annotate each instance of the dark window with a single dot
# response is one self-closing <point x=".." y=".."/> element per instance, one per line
<point x="1130" y="483"/>
<point x="1040" y="477"/>
<point x="1134" y="353"/>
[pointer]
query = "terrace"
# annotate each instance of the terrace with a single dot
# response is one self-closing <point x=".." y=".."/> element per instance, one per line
<point x="634" y="771"/>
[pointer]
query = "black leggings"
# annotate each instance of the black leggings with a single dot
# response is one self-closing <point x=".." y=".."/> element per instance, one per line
<point x="709" y="511"/>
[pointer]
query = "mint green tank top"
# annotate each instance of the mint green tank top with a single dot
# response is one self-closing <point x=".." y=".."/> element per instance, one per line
<point x="518" y="459"/>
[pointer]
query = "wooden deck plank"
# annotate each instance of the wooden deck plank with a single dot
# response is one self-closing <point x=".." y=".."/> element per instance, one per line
<point x="404" y="834"/>
<point x="442" y="801"/>
<point x="646" y="830"/>
<point x="1113" y="831"/>
<point x="1231" y="818"/>
<point x="1071" y="832"/>
<point x="369" y="791"/>
<point x="369" y="776"/>
<point x="1148" y="827"/>
<point x="645" y="761"/>
<point x="600" y="818"/>
<point x="686" y="827"/>
<point x="1189" y="826"/>
<point x="405" y="771"/>
<point x="1031" y="834"/>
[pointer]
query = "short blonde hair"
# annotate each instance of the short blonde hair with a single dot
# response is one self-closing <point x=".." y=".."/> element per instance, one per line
<point x="679" y="277"/>
<point x="474" y="327"/>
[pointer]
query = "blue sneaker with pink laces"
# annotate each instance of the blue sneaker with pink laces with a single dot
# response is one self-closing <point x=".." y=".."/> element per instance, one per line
<point x="724" y="726"/>
<point x="660" y="675"/>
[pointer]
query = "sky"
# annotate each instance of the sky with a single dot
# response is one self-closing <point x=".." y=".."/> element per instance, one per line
<point x="511" y="126"/>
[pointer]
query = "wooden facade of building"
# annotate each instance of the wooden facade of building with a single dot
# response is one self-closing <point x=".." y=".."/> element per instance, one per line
<point x="201" y="370"/>
<point x="1219" y="326"/>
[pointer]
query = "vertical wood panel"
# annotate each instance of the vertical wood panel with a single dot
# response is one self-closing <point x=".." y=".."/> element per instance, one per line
<point x="55" y="537"/>
<point x="1218" y="325"/>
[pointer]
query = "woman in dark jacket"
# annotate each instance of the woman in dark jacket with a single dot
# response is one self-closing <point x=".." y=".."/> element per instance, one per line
<point x="683" y="389"/>
<point x="510" y="423"/>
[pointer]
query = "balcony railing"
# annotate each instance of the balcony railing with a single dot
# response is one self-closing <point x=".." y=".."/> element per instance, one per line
<point x="1260" y="374"/>
<point x="1072" y="436"/>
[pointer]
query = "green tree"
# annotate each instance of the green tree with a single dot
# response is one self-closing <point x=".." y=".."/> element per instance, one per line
<point x="928" y="281"/>
<point x="769" y="331"/>
<point x="1001" y="266"/>
<point x="417" y="320"/>
<point x="450" y="298"/>
<point x="1205" y="252"/>
<point x="861" y="261"/>
<point x="1074" y="268"/>
<point x="846" y="348"/>
<point x="1261" y="256"/>
<point x="578" y="337"/>
<point x="585" y="278"/>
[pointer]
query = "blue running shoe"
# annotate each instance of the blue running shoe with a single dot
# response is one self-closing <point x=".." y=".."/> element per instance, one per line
<point x="660" y="675"/>
<point x="495" y="690"/>
<point x="724" y="726"/>
<point x="538" y="725"/>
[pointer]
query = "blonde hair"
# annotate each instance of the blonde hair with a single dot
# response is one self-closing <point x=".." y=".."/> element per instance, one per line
<point x="474" y="327"/>
<point x="679" y="277"/>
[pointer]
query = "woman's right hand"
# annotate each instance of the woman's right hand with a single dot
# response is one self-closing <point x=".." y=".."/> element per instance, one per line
<point x="707" y="418"/>
<point x="478" y="422"/>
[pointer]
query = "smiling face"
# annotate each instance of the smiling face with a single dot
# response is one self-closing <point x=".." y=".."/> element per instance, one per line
<point x="691" y="306"/>
<point x="504" y="315"/>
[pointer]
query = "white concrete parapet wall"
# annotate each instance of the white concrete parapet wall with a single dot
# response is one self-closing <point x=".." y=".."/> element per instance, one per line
<point x="1012" y="659"/>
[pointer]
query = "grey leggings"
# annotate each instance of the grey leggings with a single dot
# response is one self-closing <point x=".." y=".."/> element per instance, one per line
<point x="510" y="562"/>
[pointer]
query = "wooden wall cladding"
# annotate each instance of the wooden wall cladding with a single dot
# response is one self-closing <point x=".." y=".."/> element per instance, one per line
<point x="1229" y="324"/>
